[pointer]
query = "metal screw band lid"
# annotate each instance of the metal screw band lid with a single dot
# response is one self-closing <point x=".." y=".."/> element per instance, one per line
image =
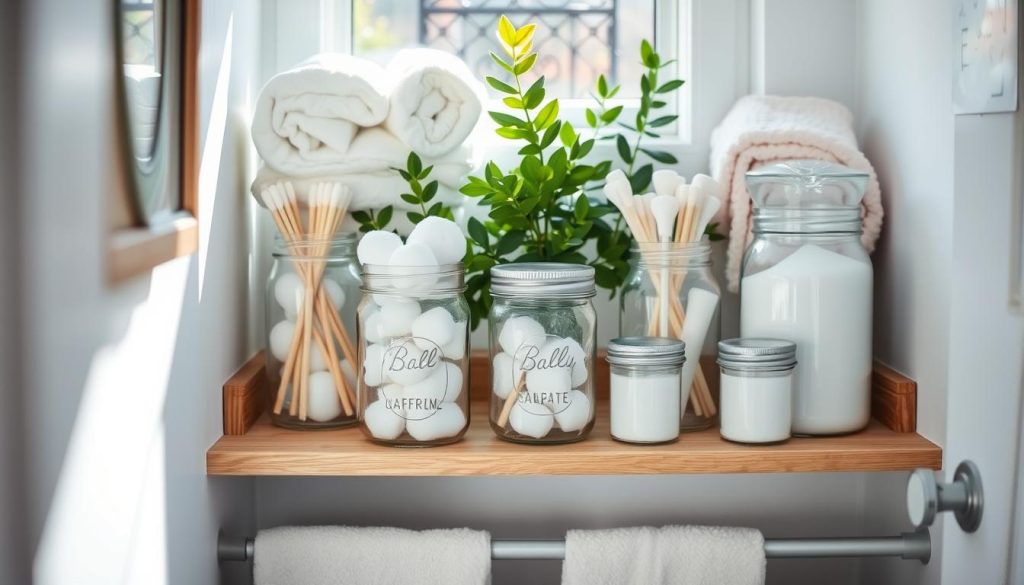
<point x="756" y="354"/>
<point x="646" y="351"/>
<point x="539" y="280"/>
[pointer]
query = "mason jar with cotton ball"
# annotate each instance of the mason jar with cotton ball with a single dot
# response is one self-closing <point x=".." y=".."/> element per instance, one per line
<point x="807" y="278"/>
<point x="314" y="287"/>
<point x="670" y="290"/>
<point x="542" y="327"/>
<point x="412" y="336"/>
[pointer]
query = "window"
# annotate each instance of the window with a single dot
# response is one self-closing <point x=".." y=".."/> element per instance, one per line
<point x="577" y="40"/>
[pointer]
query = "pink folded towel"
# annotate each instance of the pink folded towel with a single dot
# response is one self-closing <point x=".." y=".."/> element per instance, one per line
<point x="760" y="130"/>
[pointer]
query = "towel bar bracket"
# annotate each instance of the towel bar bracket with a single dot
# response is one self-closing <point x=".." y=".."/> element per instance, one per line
<point x="909" y="546"/>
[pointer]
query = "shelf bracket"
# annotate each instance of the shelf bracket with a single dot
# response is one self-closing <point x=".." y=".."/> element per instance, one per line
<point x="964" y="496"/>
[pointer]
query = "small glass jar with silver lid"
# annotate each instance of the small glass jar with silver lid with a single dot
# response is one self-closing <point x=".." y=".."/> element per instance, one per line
<point x="645" y="398"/>
<point x="542" y="327"/>
<point x="757" y="389"/>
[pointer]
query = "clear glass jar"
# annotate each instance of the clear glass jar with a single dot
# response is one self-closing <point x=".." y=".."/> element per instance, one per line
<point x="542" y="328"/>
<point x="309" y="345"/>
<point x="757" y="382"/>
<point x="689" y="311"/>
<point x="413" y="331"/>
<point x="807" y="278"/>
<point x="645" y="377"/>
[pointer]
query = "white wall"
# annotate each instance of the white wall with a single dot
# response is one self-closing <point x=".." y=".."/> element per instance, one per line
<point x="123" y="382"/>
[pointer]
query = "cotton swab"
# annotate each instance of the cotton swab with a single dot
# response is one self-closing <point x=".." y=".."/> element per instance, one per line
<point x="664" y="208"/>
<point x="666" y="182"/>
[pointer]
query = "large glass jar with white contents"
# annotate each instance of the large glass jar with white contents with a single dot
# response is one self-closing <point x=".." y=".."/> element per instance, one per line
<point x="542" y="338"/>
<point x="807" y="278"/>
<point x="312" y="293"/>
<point x="670" y="291"/>
<point x="414" y="369"/>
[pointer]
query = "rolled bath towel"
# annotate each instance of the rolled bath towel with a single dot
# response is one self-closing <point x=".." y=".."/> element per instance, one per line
<point x="760" y="130"/>
<point x="327" y="555"/>
<point x="436" y="101"/>
<point x="307" y="118"/>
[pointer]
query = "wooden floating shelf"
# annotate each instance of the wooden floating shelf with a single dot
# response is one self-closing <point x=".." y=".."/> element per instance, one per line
<point x="265" y="449"/>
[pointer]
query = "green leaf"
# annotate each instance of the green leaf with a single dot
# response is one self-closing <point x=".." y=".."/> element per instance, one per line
<point x="670" y="86"/>
<point x="530" y="149"/>
<point x="525" y="33"/>
<point x="547" y="115"/>
<point x="550" y="134"/>
<point x="525" y="64"/>
<point x="609" y="115"/>
<point x="501" y="62"/>
<point x="429" y="191"/>
<point x="534" y="95"/>
<point x="510" y="242"/>
<point x="662" y="121"/>
<point x="646" y="53"/>
<point x="361" y="216"/>
<point x="567" y="134"/>
<point x="660" y="156"/>
<point x="425" y="172"/>
<point x="623" y="148"/>
<point x="602" y="86"/>
<point x="413" y="164"/>
<point x="645" y="84"/>
<point x="500" y="85"/>
<point x="506" y="31"/>
<point x="581" y="208"/>
<point x="512" y="133"/>
<point x="410" y="199"/>
<point x="384" y="216"/>
<point x="478" y="232"/>
<point x="513" y="102"/>
<point x="591" y="118"/>
<point x="508" y="120"/>
<point x="585" y="148"/>
<point x="641" y="178"/>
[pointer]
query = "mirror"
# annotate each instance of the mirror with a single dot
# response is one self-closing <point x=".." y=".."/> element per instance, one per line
<point x="147" y="45"/>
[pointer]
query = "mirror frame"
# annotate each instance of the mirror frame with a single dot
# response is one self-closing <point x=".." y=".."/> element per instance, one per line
<point x="140" y="243"/>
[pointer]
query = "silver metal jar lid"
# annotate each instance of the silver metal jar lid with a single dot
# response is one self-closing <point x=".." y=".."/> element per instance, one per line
<point x="756" y="354"/>
<point x="646" y="351"/>
<point x="541" y="280"/>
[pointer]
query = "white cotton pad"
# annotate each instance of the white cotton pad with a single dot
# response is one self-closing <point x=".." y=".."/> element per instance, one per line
<point x="280" y="339"/>
<point x="323" y="404"/>
<point x="518" y="331"/>
<point x="376" y="247"/>
<point x="383" y="423"/>
<point x="568" y="348"/>
<point x="373" y="362"/>
<point x="575" y="416"/>
<point x="529" y="423"/>
<point x="553" y="380"/>
<point x="502" y="379"/>
<point x="396" y="317"/>
<point x="334" y="292"/>
<point x="442" y="236"/>
<point x="288" y="291"/>
<point x="446" y="422"/>
<point x="456" y="348"/>
<point x="407" y="364"/>
<point x="433" y="329"/>
<point x="418" y="262"/>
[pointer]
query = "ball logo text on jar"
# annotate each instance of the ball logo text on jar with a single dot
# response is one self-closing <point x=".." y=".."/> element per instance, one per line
<point x="546" y="370"/>
<point x="415" y="365"/>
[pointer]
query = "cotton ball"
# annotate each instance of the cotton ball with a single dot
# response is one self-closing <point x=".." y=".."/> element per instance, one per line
<point x="373" y="365"/>
<point x="529" y="423"/>
<point x="348" y="373"/>
<point x="456" y="348"/>
<point x="280" y="339"/>
<point x="433" y="329"/>
<point x="502" y="379"/>
<point x="317" y="358"/>
<point x="518" y="331"/>
<point x="568" y="349"/>
<point x="442" y="236"/>
<point x="392" y="395"/>
<point x="418" y="265"/>
<point x="446" y="422"/>
<point x="382" y="422"/>
<point x="322" y="399"/>
<point x="396" y="318"/>
<point x="334" y="292"/>
<point x="288" y="290"/>
<point x="371" y="326"/>
<point x="549" y="380"/>
<point x="407" y="364"/>
<point x="376" y="247"/>
<point x="453" y="377"/>
<point x="575" y="416"/>
<point x="425" y="397"/>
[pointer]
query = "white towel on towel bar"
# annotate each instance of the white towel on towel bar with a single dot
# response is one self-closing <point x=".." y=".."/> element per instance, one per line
<point x="306" y="118"/>
<point x="436" y="101"/>
<point x="673" y="555"/>
<point x="334" y="555"/>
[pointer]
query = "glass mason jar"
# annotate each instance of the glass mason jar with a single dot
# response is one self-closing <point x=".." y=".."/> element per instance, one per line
<point x="806" y="278"/>
<point x="542" y="328"/>
<point x="413" y="330"/>
<point x="688" y="311"/>
<point x="310" y="330"/>
<point x="757" y="389"/>
<point x="645" y="378"/>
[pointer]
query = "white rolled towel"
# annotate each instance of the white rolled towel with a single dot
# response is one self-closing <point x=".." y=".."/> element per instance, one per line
<point x="307" y="118"/>
<point x="436" y="101"/>
<point x="326" y="555"/>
